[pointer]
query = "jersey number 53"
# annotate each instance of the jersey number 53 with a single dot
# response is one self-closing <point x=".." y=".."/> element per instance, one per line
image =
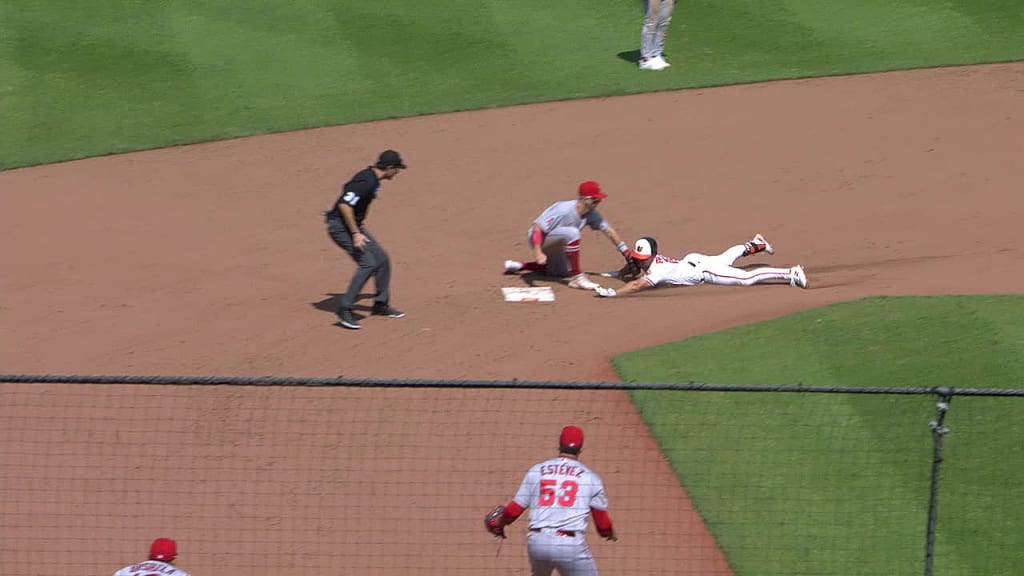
<point x="551" y="493"/>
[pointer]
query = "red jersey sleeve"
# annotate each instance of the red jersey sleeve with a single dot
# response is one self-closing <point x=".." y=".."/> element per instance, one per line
<point x="512" y="511"/>
<point x="603" y="522"/>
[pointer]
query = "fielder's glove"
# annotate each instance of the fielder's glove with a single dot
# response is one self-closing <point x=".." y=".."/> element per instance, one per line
<point x="630" y="271"/>
<point x="494" y="521"/>
<point x="605" y="292"/>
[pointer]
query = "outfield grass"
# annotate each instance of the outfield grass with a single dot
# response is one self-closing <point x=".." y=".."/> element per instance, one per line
<point x="838" y="484"/>
<point x="87" y="78"/>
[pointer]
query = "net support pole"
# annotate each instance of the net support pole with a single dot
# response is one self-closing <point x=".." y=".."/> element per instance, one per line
<point x="939" y="431"/>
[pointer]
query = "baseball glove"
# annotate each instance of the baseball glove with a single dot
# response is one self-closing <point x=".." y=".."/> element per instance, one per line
<point x="631" y="271"/>
<point x="494" y="521"/>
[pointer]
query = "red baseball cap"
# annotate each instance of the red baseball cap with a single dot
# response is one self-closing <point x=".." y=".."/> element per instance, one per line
<point x="163" y="549"/>
<point x="592" y="189"/>
<point x="571" y="438"/>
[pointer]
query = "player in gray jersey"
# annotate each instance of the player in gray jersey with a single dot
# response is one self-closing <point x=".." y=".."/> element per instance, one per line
<point x="554" y="237"/>
<point x="561" y="495"/>
<point x="162" y="553"/>
<point x="657" y="17"/>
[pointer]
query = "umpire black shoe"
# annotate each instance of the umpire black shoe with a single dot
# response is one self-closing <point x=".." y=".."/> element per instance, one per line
<point x="348" y="319"/>
<point x="385" y="310"/>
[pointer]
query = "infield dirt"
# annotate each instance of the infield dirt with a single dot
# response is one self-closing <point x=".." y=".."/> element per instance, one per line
<point x="213" y="259"/>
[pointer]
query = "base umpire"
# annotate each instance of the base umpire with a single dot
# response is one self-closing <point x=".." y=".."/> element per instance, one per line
<point x="345" y="226"/>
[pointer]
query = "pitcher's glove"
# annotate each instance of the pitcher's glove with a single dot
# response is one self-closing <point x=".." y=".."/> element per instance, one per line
<point x="494" y="521"/>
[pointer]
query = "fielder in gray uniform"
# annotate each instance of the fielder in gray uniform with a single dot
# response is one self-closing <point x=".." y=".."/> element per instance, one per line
<point x="554" y="237"/>
<point x="657" y="16"/>
<point x="162" y="553"/>
<point x="561" y="493"/>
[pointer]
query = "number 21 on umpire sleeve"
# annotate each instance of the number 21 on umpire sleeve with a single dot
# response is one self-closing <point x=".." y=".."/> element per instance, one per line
<point x="565" y="494"/>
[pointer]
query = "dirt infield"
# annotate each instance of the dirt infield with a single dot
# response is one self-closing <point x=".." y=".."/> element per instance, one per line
<point x="213" y="260"/>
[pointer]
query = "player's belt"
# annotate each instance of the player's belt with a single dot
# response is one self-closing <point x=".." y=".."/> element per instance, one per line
<point x="567" y="533"/>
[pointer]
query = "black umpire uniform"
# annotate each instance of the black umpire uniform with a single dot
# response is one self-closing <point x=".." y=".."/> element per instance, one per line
<point x="345" y="226"/>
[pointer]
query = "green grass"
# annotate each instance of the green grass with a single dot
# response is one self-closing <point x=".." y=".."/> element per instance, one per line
<point x="87" y="78"/>
<point x="839" y="484"/>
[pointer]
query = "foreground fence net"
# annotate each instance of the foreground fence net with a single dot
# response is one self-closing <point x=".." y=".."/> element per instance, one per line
<point x="298" y="477"/>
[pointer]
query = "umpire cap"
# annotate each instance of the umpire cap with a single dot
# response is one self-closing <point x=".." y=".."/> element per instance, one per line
<point x="390" y="159"/>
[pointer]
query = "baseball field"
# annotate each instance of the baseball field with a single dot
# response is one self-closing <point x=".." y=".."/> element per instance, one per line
<point x="165" y="168"/>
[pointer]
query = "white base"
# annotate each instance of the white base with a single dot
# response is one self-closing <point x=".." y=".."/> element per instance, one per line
<point x="535" y="294"/>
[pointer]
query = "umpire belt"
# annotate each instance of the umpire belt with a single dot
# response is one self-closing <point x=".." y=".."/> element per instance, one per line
<point x="566" y="533"/>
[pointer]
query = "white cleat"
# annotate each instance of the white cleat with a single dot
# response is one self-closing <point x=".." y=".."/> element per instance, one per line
<point x="654" y="63"/>
<point x="581" y="282"/>
<point x="760" y="240"/>
<point x="511" y="266"/>
<point x="797" y="277"/>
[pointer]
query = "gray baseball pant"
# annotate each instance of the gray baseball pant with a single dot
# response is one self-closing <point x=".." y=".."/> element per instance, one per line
<point x="657" y="16"/>
<point x="569" y="555"/>
<point x="371" y="261"/>
<point x="554" y="247"/>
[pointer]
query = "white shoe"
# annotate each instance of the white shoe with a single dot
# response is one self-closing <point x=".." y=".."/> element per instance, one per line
<point x="583" y="283"/>
<point x="760" y="240"/>
<point x="511" y="266"/>
<point x="662" y="62"/>
<point x="653" y="63"/>
<point x="797" y="277"/>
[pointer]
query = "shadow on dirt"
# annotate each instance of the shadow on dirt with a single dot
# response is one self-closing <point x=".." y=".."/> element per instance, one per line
<point x="333" y="300"/>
